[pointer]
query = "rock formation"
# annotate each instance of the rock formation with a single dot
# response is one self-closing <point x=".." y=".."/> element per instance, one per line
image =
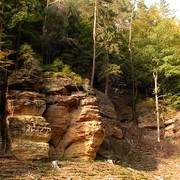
<point x="172" y="129"/>
<point x="147" y="121"/>
<point x="75" y="120"/>
<point x="114" y="146"/>
<point x="28" y="132"/>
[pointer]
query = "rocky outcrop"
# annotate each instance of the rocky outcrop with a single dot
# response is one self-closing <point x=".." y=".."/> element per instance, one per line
<point x="172" y="129"/>
<point x="122" y="107"/>
<point x="28" y="132"/>
<point x="147" y="121"/>
<point x="75" y="120"/>
<point x="57" y="117"/>
<point x="114" y="146"/>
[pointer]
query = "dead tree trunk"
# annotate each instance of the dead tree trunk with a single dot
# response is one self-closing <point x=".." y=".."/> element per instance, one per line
<point x="106" y="86"/>
<point x="94" y="43"/>
<point x="1" y="25"/>
<point x="155" y="75"/>
<point x="132" y="65"/>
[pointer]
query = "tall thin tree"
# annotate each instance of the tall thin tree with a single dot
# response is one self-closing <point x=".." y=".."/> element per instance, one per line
<point x="132" y="63"/>
<point x="94" y="43"/>
<point x="155" y="75"/>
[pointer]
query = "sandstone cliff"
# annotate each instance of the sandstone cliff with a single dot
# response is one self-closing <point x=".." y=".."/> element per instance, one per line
<point x="28" y="132"/>
<point x="51" y="117"/>
<point x="75" y="120"/>
<point x="56" y="118"/>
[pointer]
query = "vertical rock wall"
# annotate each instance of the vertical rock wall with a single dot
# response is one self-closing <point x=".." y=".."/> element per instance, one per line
<point x="28" y="131"/>
<point x="114" y="146"/>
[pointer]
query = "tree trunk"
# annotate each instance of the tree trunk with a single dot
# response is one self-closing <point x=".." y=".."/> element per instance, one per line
<point x="132" y="65"/>
<point x="107" y="86"/>
<point x="3" y="112"/>
<point x="1" y="25"/>
<point x="18" y="37"/>
<point x="44" y="60"/>
<point x="155" y="75"/>
<point x="94" y="43"/>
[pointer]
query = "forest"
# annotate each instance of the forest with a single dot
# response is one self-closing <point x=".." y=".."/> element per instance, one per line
<point x="89" y="89"/>
<point x="119" y="45"/>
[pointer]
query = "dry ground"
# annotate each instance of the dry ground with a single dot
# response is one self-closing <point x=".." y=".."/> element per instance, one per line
<point x="139" y="164"/>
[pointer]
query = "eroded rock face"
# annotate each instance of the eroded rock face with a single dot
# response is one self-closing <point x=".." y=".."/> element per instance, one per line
<point x="147" y="121"/>
<point x="25" y="103"/>
<point x="28" y="132"/>
<point x="113" y="147"/>
<point x="75" y="120"/>
<point x="29" y="136"/>
<point x="172" y="129"/>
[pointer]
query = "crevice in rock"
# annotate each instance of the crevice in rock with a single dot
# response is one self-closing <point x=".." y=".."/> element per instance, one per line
<point x="55" y="146"/>
<point x="3" y="127"/>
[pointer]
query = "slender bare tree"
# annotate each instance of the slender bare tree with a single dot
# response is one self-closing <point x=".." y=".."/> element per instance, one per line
<point x="94" y="43"/>
<point x="1" y="22"/>
<point x="155" y="75"/>
<point x="132" y="62"/>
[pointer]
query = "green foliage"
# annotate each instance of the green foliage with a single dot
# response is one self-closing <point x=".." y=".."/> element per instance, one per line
<point x="108" y="69"/>
<point x="58" y="65"/>
<point x="27" y="59"/>
<point x="26" y="11"/>
<point x="62" y="70"/>
<point x="67" y="38"/>
<point x="173" y="101"/>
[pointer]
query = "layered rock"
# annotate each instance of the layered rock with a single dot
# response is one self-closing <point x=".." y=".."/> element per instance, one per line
<point x="114" y="146"/>
<point x="0" y="139"/>
<point x="28" y="132"/>
<point x="147" y="121"/>
<point x="75" y="120"/>
<point x="172" y="129"/>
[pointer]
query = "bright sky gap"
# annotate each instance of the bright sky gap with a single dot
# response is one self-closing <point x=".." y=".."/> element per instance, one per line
<point x="174" y="5"/>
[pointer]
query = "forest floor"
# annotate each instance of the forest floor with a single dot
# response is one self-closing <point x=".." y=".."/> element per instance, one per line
<point x="152" y="161"/>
